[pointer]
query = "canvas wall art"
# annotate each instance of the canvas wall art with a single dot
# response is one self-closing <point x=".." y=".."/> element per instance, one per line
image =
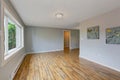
<point x="93" y="32"/>
<point x="113" y="35"/>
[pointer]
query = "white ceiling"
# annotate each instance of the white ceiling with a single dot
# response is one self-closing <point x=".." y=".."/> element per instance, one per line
<point x="42" y="12"/>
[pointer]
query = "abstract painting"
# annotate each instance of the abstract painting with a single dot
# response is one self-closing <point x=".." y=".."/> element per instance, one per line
<point x="93" y="32"/>
<point x="113" y="35"/>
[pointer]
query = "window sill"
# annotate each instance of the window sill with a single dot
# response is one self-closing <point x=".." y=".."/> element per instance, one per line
<point x="12" y="52"/>
<point x="10" y="56"/>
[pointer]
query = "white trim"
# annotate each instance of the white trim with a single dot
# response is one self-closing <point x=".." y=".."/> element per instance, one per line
<point x="101" y="64"/>
<point x="10" y="57"/>
<point x="70" y="39"/>
<point x="18" y="40"/>
<point x="13" y="51"/>
<point x="45" y="51"/>
<point x="9" y="14"/>
<point x="17" y="67"/>
<point x="19" y="36"/>
<point x="5" y="34"/>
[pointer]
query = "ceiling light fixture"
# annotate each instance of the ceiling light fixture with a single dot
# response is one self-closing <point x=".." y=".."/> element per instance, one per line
<point x="59" y="15"/>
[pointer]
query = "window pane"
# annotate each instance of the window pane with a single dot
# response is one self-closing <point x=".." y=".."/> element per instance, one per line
<point x="11" y="36"/>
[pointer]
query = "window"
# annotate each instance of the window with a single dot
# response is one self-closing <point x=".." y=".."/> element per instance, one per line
<point x="13" y="35"/>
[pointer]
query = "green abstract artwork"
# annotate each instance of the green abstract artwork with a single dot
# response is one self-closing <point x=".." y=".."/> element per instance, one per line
<point x="93" y="32"/>
<point x="113" y="35"/>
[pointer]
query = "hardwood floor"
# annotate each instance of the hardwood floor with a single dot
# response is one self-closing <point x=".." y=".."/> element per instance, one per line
<point x="63" y="65"/>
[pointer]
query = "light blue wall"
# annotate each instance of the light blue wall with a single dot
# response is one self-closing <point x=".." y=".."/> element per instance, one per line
<point x="39" y="39"/>
<point x="74" y="39"/>
<point x="97" y="50"/>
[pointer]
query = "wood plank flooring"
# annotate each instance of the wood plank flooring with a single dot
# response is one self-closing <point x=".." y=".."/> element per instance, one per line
<point x="62" y="65"/>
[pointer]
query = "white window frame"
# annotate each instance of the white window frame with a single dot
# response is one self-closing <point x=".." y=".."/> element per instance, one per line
<point x="19" y="39"/>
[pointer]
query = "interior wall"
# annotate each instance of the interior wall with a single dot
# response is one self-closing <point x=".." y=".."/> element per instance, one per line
<point x="7" y="70"/>
<point x="39" y="39"/>
<point x="97" y="50"/>
<point x="66" y="38"/>
<point x="74" y="42"/>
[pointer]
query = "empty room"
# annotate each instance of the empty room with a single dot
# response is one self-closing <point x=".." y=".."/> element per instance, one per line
<point x="59" y="39"/>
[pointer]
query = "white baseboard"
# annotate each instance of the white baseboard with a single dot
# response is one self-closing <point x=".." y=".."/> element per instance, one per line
<point x="74" y="47"/>
<point x="45" y="51"/>
<point x="101" y="64"/>
<point x="17" y="67"/>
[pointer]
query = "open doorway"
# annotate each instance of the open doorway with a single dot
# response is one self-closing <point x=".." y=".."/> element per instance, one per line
<point x="71" y="40"/>
<point x="66" y="40"/>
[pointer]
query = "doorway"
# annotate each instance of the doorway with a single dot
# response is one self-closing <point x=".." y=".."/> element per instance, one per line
<point x="66" y="40"/>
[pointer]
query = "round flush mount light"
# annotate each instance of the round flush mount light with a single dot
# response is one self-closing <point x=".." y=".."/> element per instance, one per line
<point x="59" y="15"/>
